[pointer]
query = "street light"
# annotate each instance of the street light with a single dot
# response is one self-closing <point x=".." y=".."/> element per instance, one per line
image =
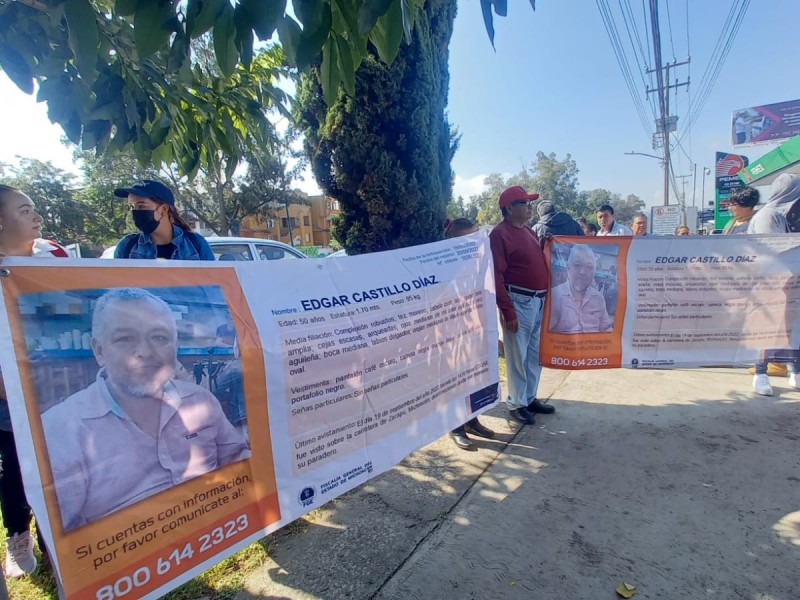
<point x="659" y="158"/>
<point x="706" y="171"/>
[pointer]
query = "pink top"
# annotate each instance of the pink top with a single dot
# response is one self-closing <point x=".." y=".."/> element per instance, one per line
<point x="103" y="462"/>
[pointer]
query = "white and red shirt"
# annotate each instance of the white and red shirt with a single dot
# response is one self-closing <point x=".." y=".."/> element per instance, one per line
<point x="43" y="248"/>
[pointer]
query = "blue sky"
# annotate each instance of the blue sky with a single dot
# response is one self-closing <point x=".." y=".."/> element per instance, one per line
<point x="552" y="84"/>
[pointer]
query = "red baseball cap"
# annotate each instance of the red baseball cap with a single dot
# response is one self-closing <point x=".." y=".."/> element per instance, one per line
<point x="515" y="193"/>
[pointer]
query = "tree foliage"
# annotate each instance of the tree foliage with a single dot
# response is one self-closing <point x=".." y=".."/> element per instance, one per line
<point x="458" y="208"/>
<point x="120" y="74"/>
<point x="624" y="208"/>
<point x="384" y="153"/>
<point x="101" y="176"/>
<point x="555" y="180"/>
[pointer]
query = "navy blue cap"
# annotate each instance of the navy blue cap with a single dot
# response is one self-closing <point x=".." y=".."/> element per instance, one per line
<point x="148" y="188"/>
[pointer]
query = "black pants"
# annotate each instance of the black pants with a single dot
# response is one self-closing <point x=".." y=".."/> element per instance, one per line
<point x="462" y="429"/>
<point x="13" y="505"/>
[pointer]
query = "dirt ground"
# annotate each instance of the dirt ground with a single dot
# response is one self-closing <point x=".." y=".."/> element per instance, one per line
<point x="682" y="483"/>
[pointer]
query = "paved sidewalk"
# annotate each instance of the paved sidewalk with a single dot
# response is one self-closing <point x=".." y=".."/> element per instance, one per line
<point x="680" y="482"/>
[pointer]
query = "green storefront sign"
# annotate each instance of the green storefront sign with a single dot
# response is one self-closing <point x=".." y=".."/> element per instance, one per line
<point x="783" y="159"/>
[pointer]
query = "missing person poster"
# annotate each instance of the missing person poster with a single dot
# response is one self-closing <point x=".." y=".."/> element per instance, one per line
<point x="168" y="413"/>
<point x="666" y="302"/>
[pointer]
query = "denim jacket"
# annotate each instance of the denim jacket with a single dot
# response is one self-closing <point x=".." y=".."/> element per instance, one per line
<point x="185" y="248"/>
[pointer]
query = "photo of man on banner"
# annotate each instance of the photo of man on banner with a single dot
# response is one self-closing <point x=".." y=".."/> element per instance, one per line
<point x="585" y="300"/>
<point x="138" y="428"/>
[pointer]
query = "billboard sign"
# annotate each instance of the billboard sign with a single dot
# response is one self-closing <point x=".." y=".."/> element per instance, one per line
<point x="766" y="123"/>
<point x="726" y="179"/>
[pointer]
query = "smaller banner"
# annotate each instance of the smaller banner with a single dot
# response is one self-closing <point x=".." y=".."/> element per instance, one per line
<point x="766" y="123"/>
<point x="671" y="302"/>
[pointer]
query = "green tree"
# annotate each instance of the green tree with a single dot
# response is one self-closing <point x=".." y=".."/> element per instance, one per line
<point x="557" y="181"/>
<point x="385" y="152"/>
<point x="459" y="208"/>
<point x="624" y="209"/>
<point x="102" y="175"/>
<point x="51" y="189"/>
<point x="120" y="73"/>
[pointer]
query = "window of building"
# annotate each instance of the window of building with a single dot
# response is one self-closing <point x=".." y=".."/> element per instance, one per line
<point x="306" y="222"/>
<point x="308" y="237"/>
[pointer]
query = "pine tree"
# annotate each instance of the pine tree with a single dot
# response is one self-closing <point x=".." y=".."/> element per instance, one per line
<point x="385" y="152"/>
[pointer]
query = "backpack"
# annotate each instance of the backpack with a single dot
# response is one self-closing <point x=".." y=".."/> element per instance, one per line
<point x="127" y="243"/>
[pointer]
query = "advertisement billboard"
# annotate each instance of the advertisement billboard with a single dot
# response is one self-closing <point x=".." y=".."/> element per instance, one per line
<point x="726" y="179"/>
<point x="766" y="123"/>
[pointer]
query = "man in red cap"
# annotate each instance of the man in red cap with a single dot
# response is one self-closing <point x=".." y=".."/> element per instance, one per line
<point x="521" y="279"/>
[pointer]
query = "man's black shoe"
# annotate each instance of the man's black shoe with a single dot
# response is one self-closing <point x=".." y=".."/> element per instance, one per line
<point x="523" y="416"/>
<point x="462" y="441"/>
<point x="475" y="428"/>
<point x="538" y="407"/>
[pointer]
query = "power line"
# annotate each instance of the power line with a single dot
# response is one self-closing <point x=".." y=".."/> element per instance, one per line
<point x="622" y="60"/>
<point x="669" y="27"/>
<point x="631" y="25"/>
<point x="724" y="43"/>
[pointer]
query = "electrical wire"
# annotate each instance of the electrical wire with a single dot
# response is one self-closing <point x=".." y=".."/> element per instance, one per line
<point x="669" y="27"/>
<point x="642" y="59"/>
<point x="622" y="61"/>
<point x="722" y="49"/>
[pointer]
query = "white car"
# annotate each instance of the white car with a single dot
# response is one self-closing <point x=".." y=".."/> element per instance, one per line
<point x="242" y="248"/>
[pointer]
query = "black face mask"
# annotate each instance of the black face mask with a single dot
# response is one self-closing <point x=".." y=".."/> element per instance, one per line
<point x="145" y="220"/>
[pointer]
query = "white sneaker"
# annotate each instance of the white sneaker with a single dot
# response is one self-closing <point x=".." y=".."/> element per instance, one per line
<point x="761" y="385"/>
<point x="19" y="555"/>
<point x="793" y="382"/>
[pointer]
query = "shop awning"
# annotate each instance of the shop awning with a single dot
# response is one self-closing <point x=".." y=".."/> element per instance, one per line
<point x="783" y="159"/>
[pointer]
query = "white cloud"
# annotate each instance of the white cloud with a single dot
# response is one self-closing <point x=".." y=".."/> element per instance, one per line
<point x="468" y="187"/>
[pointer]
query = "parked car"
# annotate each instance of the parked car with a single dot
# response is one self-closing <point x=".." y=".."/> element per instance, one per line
<point x="337" y="254"/>
<point x="241" y="248"/>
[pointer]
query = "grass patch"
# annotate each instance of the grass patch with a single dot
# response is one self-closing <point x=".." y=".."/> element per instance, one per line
<point x="221" y="582"/>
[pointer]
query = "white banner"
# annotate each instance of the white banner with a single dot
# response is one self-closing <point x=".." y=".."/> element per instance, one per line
<point x="672" y="301"/>
<point x="167" y="414"/>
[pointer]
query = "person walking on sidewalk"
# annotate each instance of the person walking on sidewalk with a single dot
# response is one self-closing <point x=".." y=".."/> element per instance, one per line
<point x="521" y="280"/>
<point x="20" y="231"/>
<point x="457" y="228"/>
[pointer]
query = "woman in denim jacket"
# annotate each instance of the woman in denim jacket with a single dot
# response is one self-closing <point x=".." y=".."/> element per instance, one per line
<point x="164" y="234"/>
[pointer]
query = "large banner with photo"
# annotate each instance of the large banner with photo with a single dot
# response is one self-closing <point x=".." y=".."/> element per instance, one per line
<point x="666" y="302"/>
<point x="167" y="414"/>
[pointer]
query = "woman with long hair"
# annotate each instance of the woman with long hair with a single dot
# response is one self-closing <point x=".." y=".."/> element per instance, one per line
<point x="20" y="235"/>
<point x="162" y="233"/>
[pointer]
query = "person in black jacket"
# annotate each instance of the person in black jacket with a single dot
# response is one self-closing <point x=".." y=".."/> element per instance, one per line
<point x="555" y="223"/>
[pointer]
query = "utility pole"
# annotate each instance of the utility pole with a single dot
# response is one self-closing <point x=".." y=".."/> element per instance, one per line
<point x="683" y="179"/>
<point x="694" y="185"/>
<point x="666" y="123"/>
